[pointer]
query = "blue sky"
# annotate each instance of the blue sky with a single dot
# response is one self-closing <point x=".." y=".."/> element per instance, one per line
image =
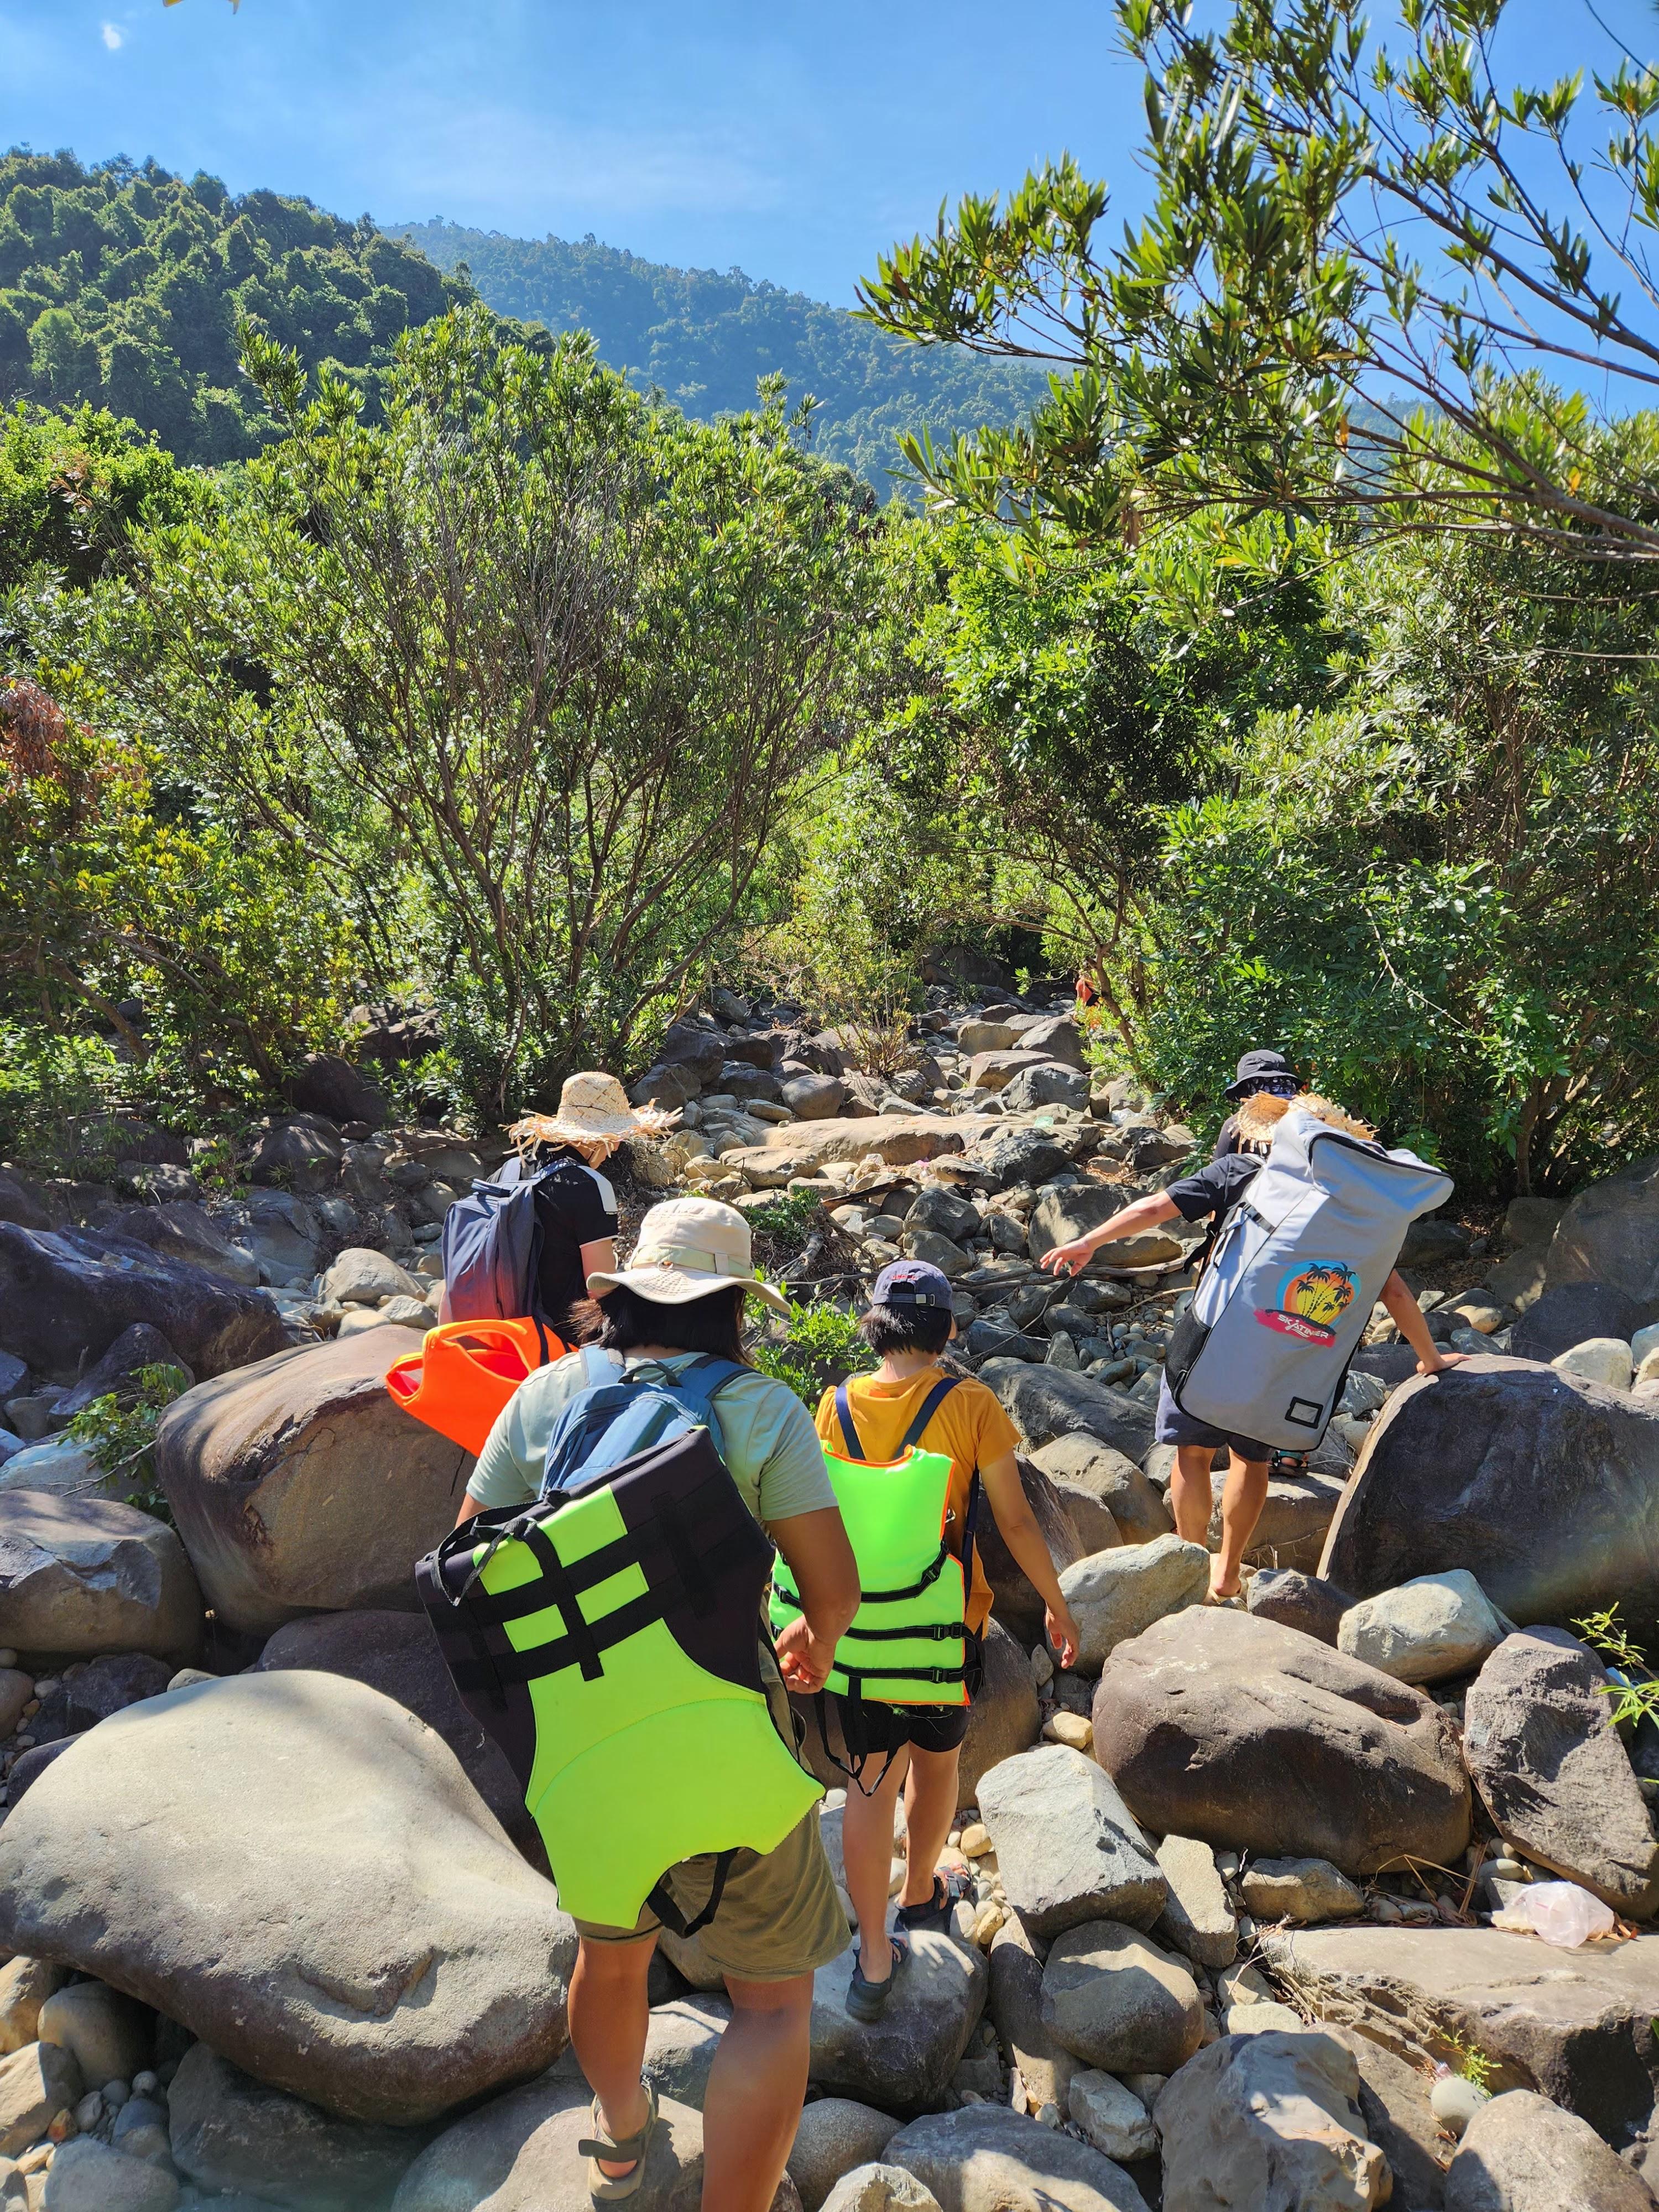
<point x="796" y="141"/>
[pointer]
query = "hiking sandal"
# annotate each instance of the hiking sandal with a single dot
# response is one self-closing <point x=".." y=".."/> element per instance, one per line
<point x="866" y="2001"/>
<point x="612" y="2188"/>
<point x="950" y="1890"/>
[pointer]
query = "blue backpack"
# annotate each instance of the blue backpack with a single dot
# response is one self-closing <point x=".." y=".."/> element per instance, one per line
<point x="491" y="1250"/>
<point x="619" y="1414"/>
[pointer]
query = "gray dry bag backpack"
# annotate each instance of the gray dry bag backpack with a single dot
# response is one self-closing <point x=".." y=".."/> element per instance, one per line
<point x="1277" y="1315"/>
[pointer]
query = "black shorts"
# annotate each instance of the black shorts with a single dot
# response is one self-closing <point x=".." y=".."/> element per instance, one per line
<point x="887" y="1728"/>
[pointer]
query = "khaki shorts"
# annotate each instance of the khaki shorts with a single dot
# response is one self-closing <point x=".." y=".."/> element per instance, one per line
<point x="778" y="1914"/>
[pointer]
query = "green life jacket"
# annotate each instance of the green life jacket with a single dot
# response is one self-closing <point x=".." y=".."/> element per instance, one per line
<point x="609" y="1641"/>
<point x="909" y="1641"/>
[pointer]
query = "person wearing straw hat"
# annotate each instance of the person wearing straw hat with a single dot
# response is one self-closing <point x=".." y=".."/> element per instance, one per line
<point x="681" y="1296"/>
<point x="525" y="1243"/>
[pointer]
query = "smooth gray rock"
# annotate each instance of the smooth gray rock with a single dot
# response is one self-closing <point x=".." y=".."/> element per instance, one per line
<point x="1610" y="1234"/>
<point x="80" y="1576"/>
<point x="300" y="1485"/>
<point x="1545" y="1488"/>
<point x="1080" y="1462"/>
<point x="904" y="2060"/>
<point x="1046" y="1402"/>
<point x="1425" y="1630"/>
<point x="229" y="2131"/>
<point x="297" y="1870"/>
<point x="1113" y="2118"/>
<point x="1598" y="1359"/>
<point x="1271" y="2119"/>
<point x="835" y="2136"/>
<point x="1541" y="1749"/>
<point x="1221" y="1725"/>
<point x="1306" y="1891"/>
<point x="681" y="2043"/>
<point x="1198" y="1919"/>
<point x="1068" y="1211"/>
<point x="1576" y="2026"/>
<point x="109" y="2037"/>
<point x="1296" y="1513"/>
<point x="1015" y="2006"/>
<point x="1299" y="1601"/>
<point x="1068" y="1850"/>
<point x="1116" y="1595"/>
<point x="1523" y="2154"/>
<point x="1571" y="1313"/>
<point x="87" y="2176"/>
<point x="98" y="1688"/>
<point x="987" y="2159"/>
<point x="879" y="2188"/>
<point x="1112" y="1997"/>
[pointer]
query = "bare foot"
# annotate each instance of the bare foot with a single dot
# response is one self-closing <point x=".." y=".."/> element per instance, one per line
<point x="1220" y="1596"/>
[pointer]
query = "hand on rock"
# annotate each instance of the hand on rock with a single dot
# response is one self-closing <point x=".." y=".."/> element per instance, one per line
<point x="1064" y="1634"/>
<point x="1069" y="1259"/>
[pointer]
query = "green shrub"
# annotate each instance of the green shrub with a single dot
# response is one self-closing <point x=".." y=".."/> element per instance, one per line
<point x="121" y="1430"/>
<point x="819" y="1346"/>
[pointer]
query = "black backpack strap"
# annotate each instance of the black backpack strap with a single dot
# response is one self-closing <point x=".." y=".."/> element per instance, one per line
<point x="854" y="1735"/>
<point x="661" y="1899"/>
<point x="970" y="1522"/>
<point x="844" y="1415"/>
<point x="930" y="1405"/>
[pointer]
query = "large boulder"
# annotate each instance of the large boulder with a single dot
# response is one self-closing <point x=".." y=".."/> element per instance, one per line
<point x="1222" y="1725"/>
<point x="1114" y="1998"/>
<point x="1425" y="1630"/>
<point x="1399" y="2119"/>
<point x="115" y="1375"/>
<point x="81" y="1575"/>
<point x="1571" y="1314"/>
<point x="903" y="2062"/>
<point x="1541" y="1749"/>
<point x="1015" y="2005"/>
<point x="66" y="1295"/>
<point x="1270" y="2120"/>
<point x="989" y="2159"/>
<point x="1544" y="1487"/>
<point x="1610" y="1234"/>
<point x="835" y="2135"/>
<point x="332" y="1087"/>
<point x="300" y="1485"/>
<point x="1576" y="2026"/>
<point x="1018" y="1606"/>
<point x="1069" y="1211"/>
<point x="1068" y="1850"/>
<point x="1046" y="1402"/>
<point x="1299" y="1600"/>
<point x="230" y="2132"/>
<point x="398" y="1654"/>
<point x="517" y="2153"/>
<point x="1115" y="1594"/>
<point x="181" y="1230"/>
<point x="1005" y="1718"/>
<point x="297" y="1870"/>
<point x="1522" y="2154"/>
<point x="1002" y="1157"/>
<point x="1079" y="1463"/>
<point x="803" y="1148"/>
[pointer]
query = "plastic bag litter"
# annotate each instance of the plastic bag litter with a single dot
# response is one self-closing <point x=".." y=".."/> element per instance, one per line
<point x="1559" y="1911"/>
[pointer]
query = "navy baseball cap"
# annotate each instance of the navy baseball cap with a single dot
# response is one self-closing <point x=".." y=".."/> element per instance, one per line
<point x="914" y="1283"/>
<point x="1258" y="1070"/>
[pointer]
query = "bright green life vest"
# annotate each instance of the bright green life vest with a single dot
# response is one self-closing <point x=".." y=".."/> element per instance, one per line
<point x="609" y="1643"/>
<point x="907" y="1644"/>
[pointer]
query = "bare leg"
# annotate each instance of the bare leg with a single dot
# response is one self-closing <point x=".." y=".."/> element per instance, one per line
<point x="1191" y="1499"/>
<point x="930" y="1806"/>
<point x="609" y="2015"/>
<point x="1240" y="1509"/>
<point x="752" y="2107"/>
<point x="866" y="1843"/>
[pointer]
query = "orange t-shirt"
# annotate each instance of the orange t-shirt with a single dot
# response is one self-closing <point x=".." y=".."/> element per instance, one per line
<point x="971" y="1428"/>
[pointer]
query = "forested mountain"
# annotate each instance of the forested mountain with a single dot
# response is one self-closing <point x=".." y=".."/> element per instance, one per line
<point x="123" y="286"/>
<point x="703" y="338"/>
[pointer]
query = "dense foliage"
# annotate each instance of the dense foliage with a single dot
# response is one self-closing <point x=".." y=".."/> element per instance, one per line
<point x="121" y="287"/>
<point x="703" y="338"/>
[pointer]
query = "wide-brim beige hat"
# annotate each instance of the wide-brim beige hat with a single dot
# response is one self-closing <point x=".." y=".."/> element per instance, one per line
<point x="688" y="1247"/>
<point x="591" y="1105"/>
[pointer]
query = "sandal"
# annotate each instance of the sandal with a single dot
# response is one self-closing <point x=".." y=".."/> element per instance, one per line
<point x="612" y="2188"/>
<point x="950" y="1890"/>
<point x="866" y="2001"/>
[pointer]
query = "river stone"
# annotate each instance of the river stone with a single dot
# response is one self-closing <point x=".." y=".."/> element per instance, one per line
<point x="1067" y="1849"/>
<point x="681" y="2042"/>
<point x="1299" y="1601"/>
<point x="1296" y="1513"/>
<point x="1113" y="2118"/>
<point x="360" y="1276"/>
<point x="879" y="2188"/>
<point x="1198" y="1918"/>
<point x="1426" y="1631"/>
<point x="1544" y="1488"/>
<point x="1571" y="1313"/>
<point x="299" y="1485"/>
<point x="1522" y="2154"/>
<point x="1005" y="1718"/>
<point x="1110" y="1996"/>
<point x="903" y="2062"/>
<point x="1081" y="1462"/>
<point x="1116" y="1595"/>
<point x="987" y="2159"/>
<point x="1610" y="1234"/>
<point x="1045" y="1402"/>
<point x="1016" y="1603"/>
<point x="302" y="1876"/>
<point x="1270" y="2120"/>
<point x="1304" y="1891"/>
<point x="229" y="2131"/>
<point x="1598" y="1359"/>
<point x="36" y="2084"/>
<point x="805" y="1148"/>
<point x="63" y="1468"/>
<point x="96" y="1690"/>
<point x="1576" y="2026"/>
<point x="1218" y="1724"/>
<point x="1015" y="2005"/>
<point x="1068" y="1211"/>
<point x="25" y="1985"/>
<point x="835" y="2135"/>
<point x="135" y="1348"/>
<point x="1393" y="2103"/>
<point x="87" y="2176"/>
<point x="1541" y="1749"/>
<point x="517" y="2153"/>
<point x="398" y="1654"/>
<point x="109" y="2037"/>
<point x="66" y="1295"/>
<point x="1002" y="1157"/>
<point x="79" y="1576"/>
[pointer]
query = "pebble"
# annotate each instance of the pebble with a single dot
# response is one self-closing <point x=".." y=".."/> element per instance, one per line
<point x="116" y="2094"/>
<point x="975" y="1841"/>
<point x="1072" y="1728"/>
<point x="1455" y="2102"/>
<point x="145" y="2085"/>
<point x="1048" y="2116"/>
<point x="89" y="2112"/>
<point x="62" y="2128"/>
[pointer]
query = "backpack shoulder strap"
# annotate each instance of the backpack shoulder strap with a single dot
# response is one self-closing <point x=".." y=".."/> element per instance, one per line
<point x="930" y="1405"/>
<point x="844" y="1415"/>
<point x="696" y="1387"/>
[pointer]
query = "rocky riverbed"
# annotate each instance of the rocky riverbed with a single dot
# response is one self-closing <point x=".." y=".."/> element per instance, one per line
<point x="1256" y="1888"/>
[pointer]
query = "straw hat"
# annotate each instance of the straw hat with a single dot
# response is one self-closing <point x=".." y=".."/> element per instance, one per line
<point x="689" y="1247"/>
<point x="591" y="1105"/>
<point x="1258" y="1116"/>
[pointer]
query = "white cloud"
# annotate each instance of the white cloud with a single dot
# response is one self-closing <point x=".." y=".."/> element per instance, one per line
<point x="114" y="38"/>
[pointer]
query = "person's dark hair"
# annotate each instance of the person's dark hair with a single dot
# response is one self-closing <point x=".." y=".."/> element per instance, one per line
<point x="905" y="1328"/>
<point x="622" y="1320"/>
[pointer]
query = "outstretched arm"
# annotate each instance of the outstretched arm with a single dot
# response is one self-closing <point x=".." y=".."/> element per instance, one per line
<point x="1145" y="1213"/>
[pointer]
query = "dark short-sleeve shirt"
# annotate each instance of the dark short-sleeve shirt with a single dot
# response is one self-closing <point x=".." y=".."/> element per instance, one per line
<point x="1227" y="1143"/>
<point x="1215" y="1190"/>
<point x="575" y="1205"/>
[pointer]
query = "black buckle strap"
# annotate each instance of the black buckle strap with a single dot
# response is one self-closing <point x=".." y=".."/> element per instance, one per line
<point x="935" y="1632"/>
<point x="545" y="1659"/>
<point x="562" y="1591"/>
<point x="492" y="1608"/>
<point x="787" y="1590"/>
<point x="660" y="1899"/>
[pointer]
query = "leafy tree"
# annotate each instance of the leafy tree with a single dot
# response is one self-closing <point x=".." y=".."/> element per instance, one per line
<point x="1336" y="218"/>
<point x="72" y="486"/>
<point x="532" y="669"/>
